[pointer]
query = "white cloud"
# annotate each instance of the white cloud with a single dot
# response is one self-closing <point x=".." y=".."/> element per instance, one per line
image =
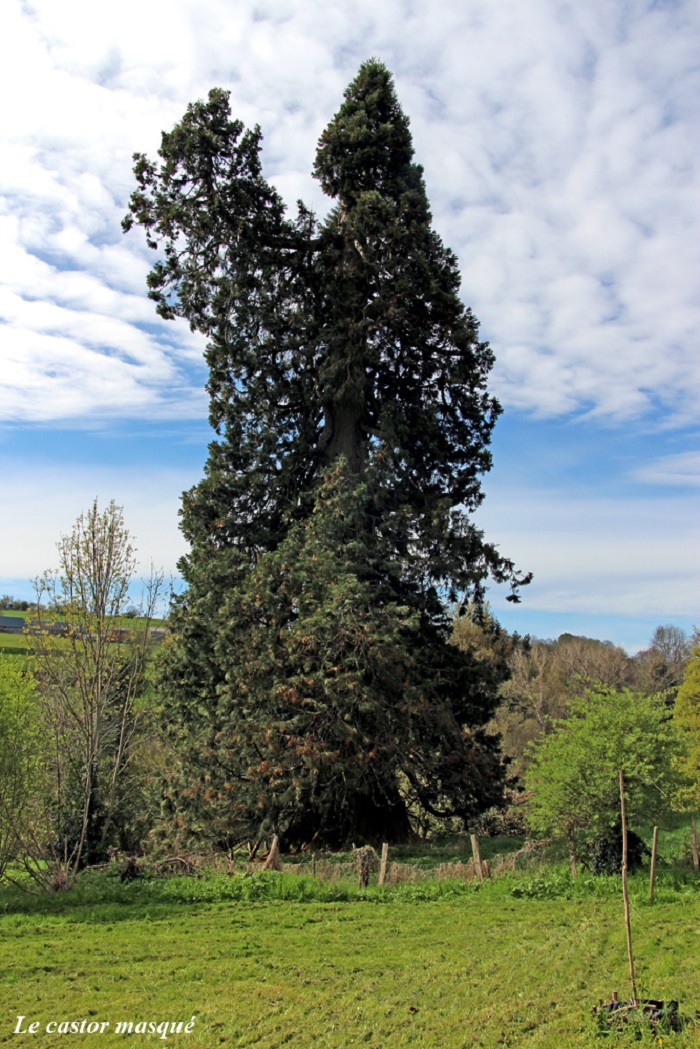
<point x="597" y="554"/>
<point x="557" y="143"/>
<point x="48" y="498"/>
<point x="680" y="470"/>
<point x="590" y="554"/>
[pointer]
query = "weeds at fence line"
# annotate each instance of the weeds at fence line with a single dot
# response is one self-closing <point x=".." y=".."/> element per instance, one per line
<point x="532" y="871"/>
<point x="332" y="870"/>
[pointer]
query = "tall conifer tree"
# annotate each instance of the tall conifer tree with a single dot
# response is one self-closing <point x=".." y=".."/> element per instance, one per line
<point x="309" y="677"/>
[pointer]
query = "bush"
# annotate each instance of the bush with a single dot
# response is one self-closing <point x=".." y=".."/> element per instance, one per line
<point x="604" y="854"/>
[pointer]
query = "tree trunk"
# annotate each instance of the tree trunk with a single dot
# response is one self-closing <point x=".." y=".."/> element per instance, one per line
<point x="342" y="435"/>
<point x="652" y="871"/>
<point x="363" y="818"/>
<point x="572" y="853"/>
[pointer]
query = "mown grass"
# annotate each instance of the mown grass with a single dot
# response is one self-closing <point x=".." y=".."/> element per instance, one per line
<point x="17" y="649"/>
<point x="13" y="646"/>
<point x="518" y="962"/>
<point x="19" y="645"/>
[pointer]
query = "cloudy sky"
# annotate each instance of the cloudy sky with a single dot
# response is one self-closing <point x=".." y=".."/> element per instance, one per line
<point x="559" y="142"/>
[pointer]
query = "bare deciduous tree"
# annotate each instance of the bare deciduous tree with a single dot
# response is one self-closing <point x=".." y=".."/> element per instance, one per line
<point x="661" y="666"/>
<point x="90" y="661"/>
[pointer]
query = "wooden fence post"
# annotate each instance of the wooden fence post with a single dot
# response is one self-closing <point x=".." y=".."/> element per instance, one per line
<point x="625" y="894"/>
<point x="364" y="857"/>
<point x="272" y="863"/>
<point x="653" y="864"/>
<point x="383" y="863"/>
<point x="477" y="857"/>
<point x="694" y="843"/>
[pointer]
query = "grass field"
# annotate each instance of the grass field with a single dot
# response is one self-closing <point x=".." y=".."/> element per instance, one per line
<point x="13" y="645"/>
<point x="437" y="966"/>
<point x="19" y="645"/>
<point x="271" y="960"/>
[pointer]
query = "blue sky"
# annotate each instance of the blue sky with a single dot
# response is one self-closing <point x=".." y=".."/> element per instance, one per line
<point x="559" y="142"/>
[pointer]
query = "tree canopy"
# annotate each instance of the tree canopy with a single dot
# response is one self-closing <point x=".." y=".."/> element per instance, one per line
<point x="345" y="371"/>
<point x="686" y="716"/>
<point x="574" y="774"/>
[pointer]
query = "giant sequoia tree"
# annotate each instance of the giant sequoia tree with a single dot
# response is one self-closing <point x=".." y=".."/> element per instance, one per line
<point x="309" y="678"/>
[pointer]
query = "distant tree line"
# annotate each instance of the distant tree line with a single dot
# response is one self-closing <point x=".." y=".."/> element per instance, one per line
<point x="14" y="604"/>
<point x="576" y="711"/>
<point x="541" y="678"/>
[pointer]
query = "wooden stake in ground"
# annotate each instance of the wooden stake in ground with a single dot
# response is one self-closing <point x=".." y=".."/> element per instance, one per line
<point x="365" y="858"/>
<point x="625" y="894"/>
<point x="273" y="863"/>
<point x="477" y="857"/>
<point x="694" y="843"/>
<point x="653" y="864"/>
<point x="383" y="863"/>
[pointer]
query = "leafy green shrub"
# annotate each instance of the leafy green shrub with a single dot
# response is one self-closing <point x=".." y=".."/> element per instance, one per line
<point x="604" y="854"/>
<point x="574" y="775"/>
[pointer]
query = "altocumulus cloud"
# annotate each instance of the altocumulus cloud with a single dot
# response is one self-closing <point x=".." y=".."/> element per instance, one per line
<point x="559" y="146"/>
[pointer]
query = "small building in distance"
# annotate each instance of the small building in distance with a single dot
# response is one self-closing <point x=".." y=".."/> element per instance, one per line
<point x="12" y="624"/>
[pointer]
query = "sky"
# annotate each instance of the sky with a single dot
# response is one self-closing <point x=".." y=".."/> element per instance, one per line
<point x="559" y="142"/>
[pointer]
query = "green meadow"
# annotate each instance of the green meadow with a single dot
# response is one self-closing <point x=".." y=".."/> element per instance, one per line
<point x="269" y="960"/>
<point x="18" y="646"/>
<point x="13" y="645"/>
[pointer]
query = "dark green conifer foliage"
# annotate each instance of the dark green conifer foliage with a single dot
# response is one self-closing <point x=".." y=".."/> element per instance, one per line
<point x="309" y="676"/>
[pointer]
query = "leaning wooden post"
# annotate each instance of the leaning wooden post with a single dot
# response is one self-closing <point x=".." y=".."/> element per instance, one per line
<point x="653" y="864"/>
<point x="383" y="863"/>
<point x="694" y="843"/>
<point x="272" y="863"/>
<point x="477" y="857"/>
<point x="625" y="894"/>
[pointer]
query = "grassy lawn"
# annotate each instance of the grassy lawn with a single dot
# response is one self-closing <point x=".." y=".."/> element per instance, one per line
<point x="19" y="645"/>
<point x="483" y="969"/>
<point x="13" y="645"/>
